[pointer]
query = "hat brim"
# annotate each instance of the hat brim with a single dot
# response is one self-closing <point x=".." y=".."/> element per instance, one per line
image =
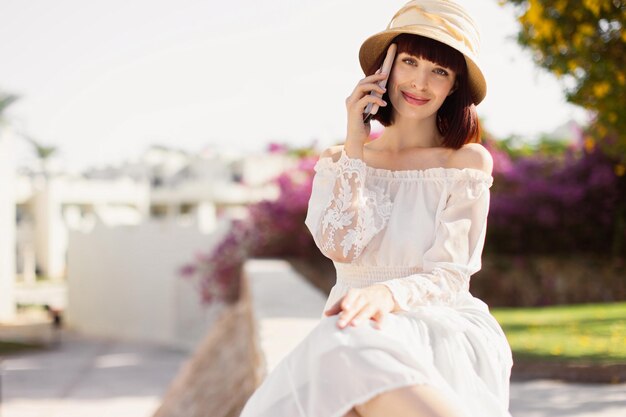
<point x="376" y="45"/>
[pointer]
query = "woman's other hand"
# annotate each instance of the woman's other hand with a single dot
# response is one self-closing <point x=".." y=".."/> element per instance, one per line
<point x="362" y="304"/>
<point x="358" y="132"/>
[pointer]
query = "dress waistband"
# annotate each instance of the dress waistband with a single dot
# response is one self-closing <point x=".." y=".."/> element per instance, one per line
<point x="364" y="275"/>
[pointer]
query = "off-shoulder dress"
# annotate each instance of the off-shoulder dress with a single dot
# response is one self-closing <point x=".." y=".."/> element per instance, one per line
<point x="421" y="233"/>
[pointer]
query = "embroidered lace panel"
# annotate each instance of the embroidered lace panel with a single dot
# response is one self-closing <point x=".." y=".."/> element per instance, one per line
<point x="355" y="211"/>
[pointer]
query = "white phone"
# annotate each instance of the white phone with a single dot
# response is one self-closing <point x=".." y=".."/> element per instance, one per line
<point x="372" y="108"/>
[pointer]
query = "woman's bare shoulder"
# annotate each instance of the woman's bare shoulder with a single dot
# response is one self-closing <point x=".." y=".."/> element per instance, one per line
<point x="472" y="155"/>
<point x="333" y="152"/>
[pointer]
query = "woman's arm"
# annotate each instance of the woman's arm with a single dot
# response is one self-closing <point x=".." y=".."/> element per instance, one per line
<point x="344" y="213"/>
<point x="460" y="233"/>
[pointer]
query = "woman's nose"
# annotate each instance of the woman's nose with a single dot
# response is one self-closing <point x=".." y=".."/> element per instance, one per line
<point x="420" y="79"/>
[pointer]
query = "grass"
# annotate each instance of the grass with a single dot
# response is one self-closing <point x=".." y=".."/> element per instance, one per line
<point x="592" y="333"/>
<point x="11" y="348"/>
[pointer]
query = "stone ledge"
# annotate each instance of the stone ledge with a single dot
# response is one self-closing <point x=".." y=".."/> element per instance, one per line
<point x="285" y="307"/>
<point x="216" y="381"/>
<point x="277" y="308"/>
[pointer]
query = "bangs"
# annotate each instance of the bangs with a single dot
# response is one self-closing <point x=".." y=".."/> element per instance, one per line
<point x="431" y="50"/>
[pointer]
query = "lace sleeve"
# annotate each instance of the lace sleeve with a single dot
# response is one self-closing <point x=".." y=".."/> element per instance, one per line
<point x="344" y="213"/>
<point x="457" y="249"/>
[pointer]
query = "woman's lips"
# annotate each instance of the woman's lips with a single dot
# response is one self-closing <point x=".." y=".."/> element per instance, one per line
<point x="414" y="101"/>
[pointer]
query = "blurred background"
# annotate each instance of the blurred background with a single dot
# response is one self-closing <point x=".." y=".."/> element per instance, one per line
<point x="156" y="160"/>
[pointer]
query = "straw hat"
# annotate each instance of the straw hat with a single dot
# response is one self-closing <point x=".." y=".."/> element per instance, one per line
<point x="441" y="20"/>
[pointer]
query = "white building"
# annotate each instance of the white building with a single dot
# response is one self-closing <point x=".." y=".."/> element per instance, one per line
<point x="163" y="185"/>
<point x="120" y="234"/>
<point x="7" y="227"/>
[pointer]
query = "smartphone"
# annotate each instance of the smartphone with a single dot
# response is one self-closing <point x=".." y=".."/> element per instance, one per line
<point x="372" y="108"/>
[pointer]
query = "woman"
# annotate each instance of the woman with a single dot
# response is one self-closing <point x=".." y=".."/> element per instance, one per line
<point x="404" y="220"/>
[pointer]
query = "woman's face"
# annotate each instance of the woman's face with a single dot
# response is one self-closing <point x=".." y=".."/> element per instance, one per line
<point x="418" y="87"/>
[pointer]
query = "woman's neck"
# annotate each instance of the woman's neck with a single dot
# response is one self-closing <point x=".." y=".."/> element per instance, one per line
<point x="409" y="133"/>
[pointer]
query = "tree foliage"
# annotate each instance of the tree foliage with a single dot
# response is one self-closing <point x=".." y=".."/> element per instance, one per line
<point x="583" y="42"/>
<point x="5" y="101"/>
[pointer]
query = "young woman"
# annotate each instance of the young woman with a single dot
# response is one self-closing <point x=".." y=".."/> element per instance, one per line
<point x="403" y="218"/>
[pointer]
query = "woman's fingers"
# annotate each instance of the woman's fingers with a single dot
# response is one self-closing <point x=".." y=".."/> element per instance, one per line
<point x="365" y="86"/>
<point x="334" y="309"/>
<point x="365" y="314"/>
<point x="351" y="305"/>
<point x="348" y="315"/>
<point x="344" y="303"/>
<point x="357" y="103"/>
<point x="370" y="99"/>
<point x="375" y="77"/>
<point x="357" y="307"/>
<point x="360" y="105"/>
<point x="378" y="318"/>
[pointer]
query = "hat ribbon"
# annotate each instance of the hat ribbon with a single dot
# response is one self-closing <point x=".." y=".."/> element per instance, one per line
<point x="437" y="20"/>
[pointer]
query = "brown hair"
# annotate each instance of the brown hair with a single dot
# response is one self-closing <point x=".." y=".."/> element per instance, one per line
<point x="457" y="120"/>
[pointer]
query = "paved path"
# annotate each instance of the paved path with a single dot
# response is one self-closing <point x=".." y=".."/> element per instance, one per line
<point x="547" y="398"/>
<point x="88" y="377"/>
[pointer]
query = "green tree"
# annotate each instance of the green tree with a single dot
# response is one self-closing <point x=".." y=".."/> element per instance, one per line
<point x="43" y="152"/>
<point x="5" y="101"/>
<point x="583" y="42"/>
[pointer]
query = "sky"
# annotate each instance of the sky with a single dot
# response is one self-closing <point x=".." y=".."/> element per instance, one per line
<point x="103" y="80"/>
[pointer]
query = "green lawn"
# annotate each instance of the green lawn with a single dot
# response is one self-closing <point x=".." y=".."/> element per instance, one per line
<point x="583" y="332"/>
<point x="9" y="348"/>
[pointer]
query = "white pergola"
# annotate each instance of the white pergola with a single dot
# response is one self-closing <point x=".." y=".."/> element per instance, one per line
<point x="7" y="226"/>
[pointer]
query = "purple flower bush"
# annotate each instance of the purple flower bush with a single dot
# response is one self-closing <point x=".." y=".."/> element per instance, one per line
<point x="562" y="203"/>
<point x="216" y="274"/>
<point x="274" y="228"/>
<point x="568" y="199"/>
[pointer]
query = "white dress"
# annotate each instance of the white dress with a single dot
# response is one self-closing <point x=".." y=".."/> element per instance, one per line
<point x="420" y="233"/>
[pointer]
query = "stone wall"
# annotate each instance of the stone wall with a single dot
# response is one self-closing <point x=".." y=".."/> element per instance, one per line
<point x="542" y="280"/>
<point x="519" y="280"/>
<point x="223" y="372"/>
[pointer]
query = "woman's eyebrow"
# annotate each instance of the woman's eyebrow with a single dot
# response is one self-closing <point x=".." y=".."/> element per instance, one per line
<point x="420" y="57"/>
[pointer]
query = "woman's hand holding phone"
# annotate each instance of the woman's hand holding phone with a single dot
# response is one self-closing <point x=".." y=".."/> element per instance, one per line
<point x="364" y="102"/>
<point x="358" y="130"/>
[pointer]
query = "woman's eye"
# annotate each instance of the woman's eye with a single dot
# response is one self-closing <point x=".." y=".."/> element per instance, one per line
<point x="441" y="71"/>
<point x="409" y="61"/>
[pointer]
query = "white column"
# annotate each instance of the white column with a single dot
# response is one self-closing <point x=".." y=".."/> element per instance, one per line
<point x="206" y="213"/>
<point x="7" y="227"/>
<point x="50" y="230"/>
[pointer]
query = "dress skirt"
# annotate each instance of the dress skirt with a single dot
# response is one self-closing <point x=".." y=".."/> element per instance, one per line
<point x="461" y="351"/>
